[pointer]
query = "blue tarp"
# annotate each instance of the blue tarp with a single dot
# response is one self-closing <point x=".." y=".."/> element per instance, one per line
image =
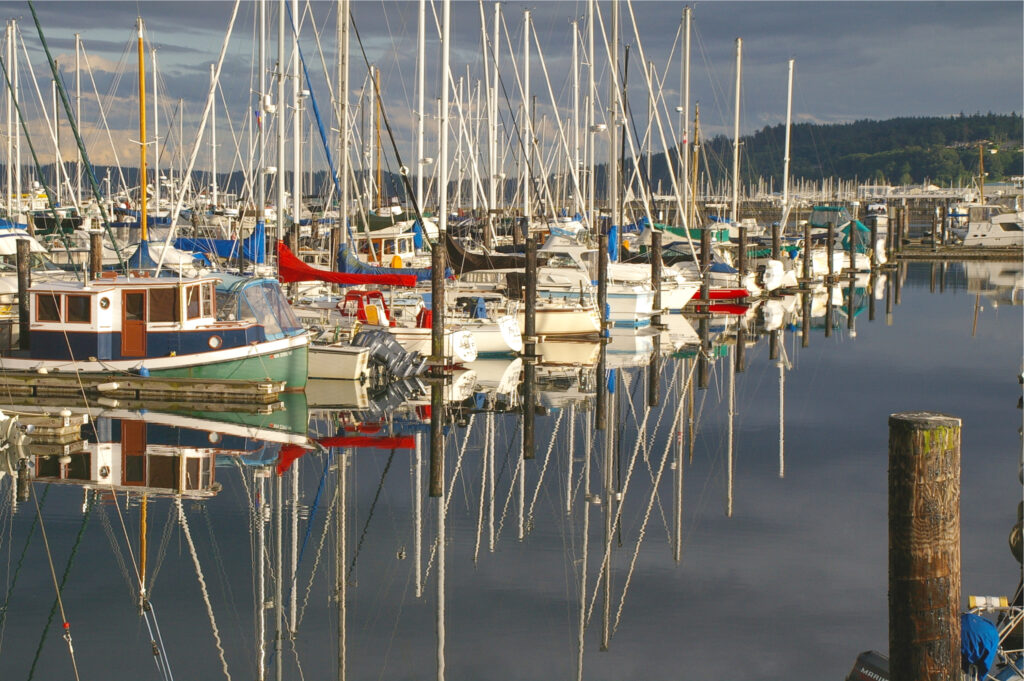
<point x="979" y="641"/>
<point x="349" y="262"/>
<point x="254" y="246"/>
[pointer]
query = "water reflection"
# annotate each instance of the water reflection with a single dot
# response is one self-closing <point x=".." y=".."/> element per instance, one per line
<point x="428" y="527"/>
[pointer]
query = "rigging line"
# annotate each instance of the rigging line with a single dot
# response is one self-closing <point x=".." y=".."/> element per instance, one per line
<point x="17" y="568"/>
<point x="165" y="539"/>
<point x="309" y="523"/>
<point x="53" y="573"/>
<point x="643" y="529"/>
<point x="319" y="552"/>
<point x="159" y="651"/>
<point x="202" y="585"/>
<point x="547" y="458"/>
<point x="458" y="462"/>
<point x="403" y="170"/>
<point x="93" y="182"/>
<point x="63" y="582"/>
<point x="118" y="556"/>
<point x="225" y="583"/>
<point x="369" y="516"/>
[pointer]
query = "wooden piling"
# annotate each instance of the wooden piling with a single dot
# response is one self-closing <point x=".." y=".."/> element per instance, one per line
<point x="850" y="310"/>
<point x="935" y="231"/>
<point x="741" y="348"/>
<point x="807" y="250"/>
<point x="851" y="245"/>
<point x="874" y="243"/>
<point x="95" y="254"/>
<point x="830" y="250"/>
<point x="705" y="263"/>
<point x="805" y="330"/>
<point x="872" y="284"/>
<point x="703" y="370"/>
<point x="602" y="282"/>
<point x="530" y="349"/>
<point x="776" y="241"/>
<point x="742" y="260"/>
<point x="436" y="438"/>
<point x="24" y="282"/>
<point x="924" y="547"/>
<point x="654" y="373"/>
<point x="656" y="274"/>
<point x="773" y="345"/>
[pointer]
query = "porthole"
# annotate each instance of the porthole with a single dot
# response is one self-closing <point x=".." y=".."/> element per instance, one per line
<point x="215" y="342"/>
<point x="104" y="303"/>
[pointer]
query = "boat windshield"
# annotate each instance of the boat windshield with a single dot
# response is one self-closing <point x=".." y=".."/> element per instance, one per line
<point x="264" y="304"/>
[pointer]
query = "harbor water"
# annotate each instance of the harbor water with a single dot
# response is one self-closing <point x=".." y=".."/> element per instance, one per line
<point x="719" y="534"/>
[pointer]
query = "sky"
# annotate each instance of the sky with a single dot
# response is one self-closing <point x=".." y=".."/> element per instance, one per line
<point x="853" y="60"/>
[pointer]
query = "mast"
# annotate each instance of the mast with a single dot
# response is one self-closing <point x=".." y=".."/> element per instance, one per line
<point x="736" y="138"/>
<point x="613" y="128"/>
<point x="9" y="31"/>
<point x="591" y="119"/>
<point x="17" y="129"/>
<point x="575" y="100"/>
<point x="261" y="110"/>
<point x="497" y="192"/>
<point x="279" y="75"/>
<point x="144" y="235"/>
<point x="981" y="173"/>
<point x="78" y="112"/>
<point x="527" y="127"/>
<point x="156" y="138"/>
<point x="56" y="139"/>
<point x="785" y="161"/>
<point x="296" y="124"/>
<point x="213" y="139"/>
<point x="685" y="113"/>
<point x="377" y="102"/>
<point x="343" y="86"/>
<point x="421" y="71"/>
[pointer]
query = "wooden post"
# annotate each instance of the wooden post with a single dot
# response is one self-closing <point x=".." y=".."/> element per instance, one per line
<point x="336" y="232"/>
<point x="705" y="263"/>
<point x="849" y="305"/>
<point x="851" y="245"/>
<point x="703" y="373"/>
<point x="437" y="438"/>
<point x="890" y="284"/>
<point x="935" y="231"/>
<point x="530" y="349"/>
<point x="924" y="547"/>
<point x="656" y="274"/>
<point x="602" y="283"/>
<point x="830" y="250"/>
<point x="874" y="243"/>
<point x="807" y="250"/>
<point x="24" y="282"/>
<point x="654" y="373"/>
<point x="742" y="261"/>
<point x="805" y="339"/>
<point x="828" y="309"/>
<point x="773" y="345"/>
<point x="95" y="254"/>
<point x="741" y="347"/>
<point x="873" y="283"/>
<point x="776" y="241"/>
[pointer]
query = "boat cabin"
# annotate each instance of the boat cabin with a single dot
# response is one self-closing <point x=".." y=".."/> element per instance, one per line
<point x="119" y="317"/>
<point x="389" y="247"/>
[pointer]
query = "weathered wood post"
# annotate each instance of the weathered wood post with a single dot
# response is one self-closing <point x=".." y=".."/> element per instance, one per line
<point x="807" y="250"/>
<point x="600" y="412"/>
<point x="850" y="311"/>
<point x="742" y="262"/>
<point x="530" y="348"/>
<point x="924" y="547"/>
<point x="874" y="243"/>
<point x="830" y="250"/>
<point x="95" y="254"/>
<point x="656" y="274"/>
<point x="872" y="284"/>
<point x="935" y="230"/>
<point x="24" y="282"/>
<point x="436" y="488"/>
<point x="703" y="370"/>
<point x="805" y="322"/>
<point x="851" y="245"/>
<point x="776" y="241"/>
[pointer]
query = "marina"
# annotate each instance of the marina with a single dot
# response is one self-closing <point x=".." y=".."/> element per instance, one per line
<point x="553" y="378"/>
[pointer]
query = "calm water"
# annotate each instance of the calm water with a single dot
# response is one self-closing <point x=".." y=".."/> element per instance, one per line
<point x="775" y="568"/>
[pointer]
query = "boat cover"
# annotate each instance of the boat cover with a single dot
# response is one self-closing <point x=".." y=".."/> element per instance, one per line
<point x="349" y="262"/>
<point x="290" y="269"/>
<point x="979" y="641"/>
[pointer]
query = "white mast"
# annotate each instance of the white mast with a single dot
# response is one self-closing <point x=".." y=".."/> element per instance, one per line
<point x="279" y="74"/>
<point x="685" y="113"/>
<point x="591" y="118"/>
<point x="421" y="71"/>
<point x="343" y="87"/>
<point x="785" y="162"/>
<point x="575" y="100"/>
<point x="296" y="121"/>
<point x="261" y="111"/>
<point x="9" y="30"/>
<point x="213" y="139"/>
<point x="527" y="128"/>
<point x="497" y="180"/>
<point x="736" y="138"/>
<point x="156" y="141"/>
<point x="17" y="130"/>
<point x="56" y="140"/>
<point x="442" y="183"/>
<point x="78" y="111"/>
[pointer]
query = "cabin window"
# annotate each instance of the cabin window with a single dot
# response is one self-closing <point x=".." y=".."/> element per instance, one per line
<point x="79" y="309"/>
<point x="207" y="299"/>
<point x="163" y="305"/>
<point x="192" y="302"/>
<point x="350" y="308"/>
<point x="48" y="307"/>
<point x="1011" y="227"/>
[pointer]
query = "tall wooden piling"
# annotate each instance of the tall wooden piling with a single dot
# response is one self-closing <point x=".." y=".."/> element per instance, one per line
<point x="807" y="250"/>
<point x="654" y="373"/>
<point x="742" y="260"/>
<point x="830" y="251"/>
<point x="805" y="321"/>
<point x="530" y="349"/>
<point x="741" y="347"/>
<point x="874" y="244"/>
<point x="776" y="241"/>
<point x="703" y="370"/>
<point x="602" y="282"/>
<point x="436" y="438"/>
<point x="924" y="547"/>
<point x="851" y="245"/>
<point x="24" y="282"/>
<point x="95" y="254"/>
<point x="705" y="263"/>
<point x="850" y="310"/>
<point x="656" y="274"/>
<point x="872" y="285"/>
<point x="935" y="230"/>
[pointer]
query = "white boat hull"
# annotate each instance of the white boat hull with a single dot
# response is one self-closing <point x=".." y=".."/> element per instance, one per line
<point x="340" y="362"/>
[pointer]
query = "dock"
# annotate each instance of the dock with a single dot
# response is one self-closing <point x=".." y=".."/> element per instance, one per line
<point x="249" y="394"/>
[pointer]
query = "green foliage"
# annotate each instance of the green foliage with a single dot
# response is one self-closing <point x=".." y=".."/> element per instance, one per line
<point x="900" y="150"/>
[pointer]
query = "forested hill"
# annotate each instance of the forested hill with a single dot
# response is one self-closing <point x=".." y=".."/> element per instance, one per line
<point x="898" y="151"/>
